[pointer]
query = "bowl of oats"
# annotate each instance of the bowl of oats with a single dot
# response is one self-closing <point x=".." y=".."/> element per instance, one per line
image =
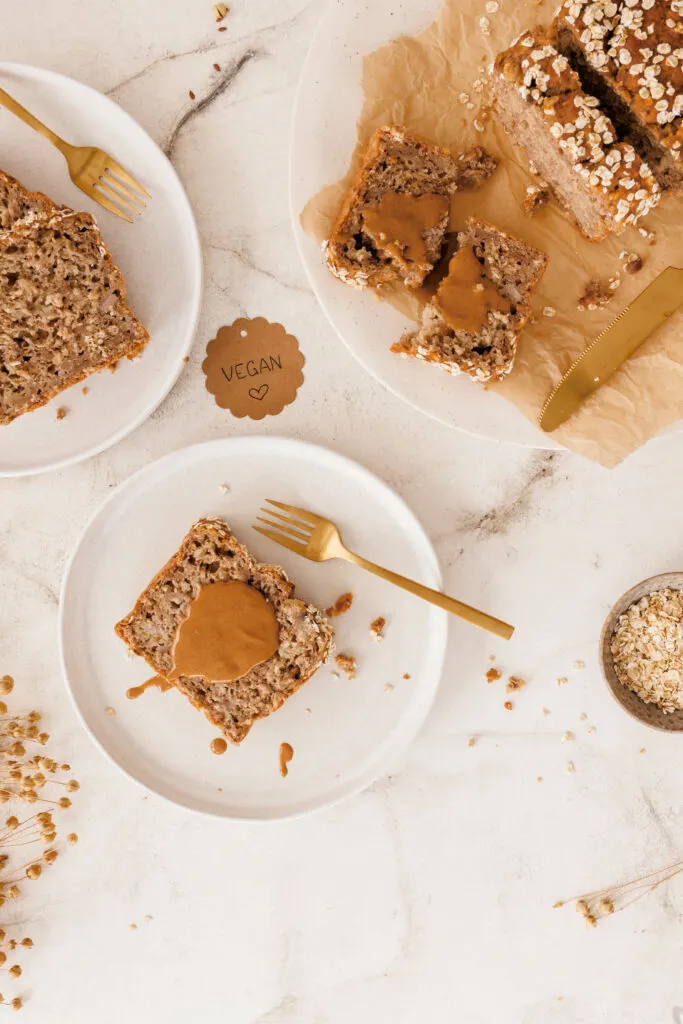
<point x="641" y="651"/>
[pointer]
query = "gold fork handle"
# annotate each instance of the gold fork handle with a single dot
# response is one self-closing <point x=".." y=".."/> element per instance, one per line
<point x="464" y="611"/>
<point x="27" y="117"/>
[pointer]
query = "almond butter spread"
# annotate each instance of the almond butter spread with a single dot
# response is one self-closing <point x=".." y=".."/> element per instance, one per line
<point x="465" y="297"/>
<point x="137" y="691"/>
<point x="286" y="755"/>
<point x="398" y="222"/>
<point x="230" y="628"/>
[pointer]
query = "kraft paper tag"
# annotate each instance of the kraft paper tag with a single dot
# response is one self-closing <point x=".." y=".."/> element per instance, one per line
<point x="253" y="368"/>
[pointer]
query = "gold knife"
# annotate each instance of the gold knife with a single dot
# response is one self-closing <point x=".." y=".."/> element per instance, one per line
<point x="614" y="346"/>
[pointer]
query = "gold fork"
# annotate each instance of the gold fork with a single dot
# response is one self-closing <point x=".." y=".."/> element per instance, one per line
<point x="319" y="539"/>
<point x="91" y="169"/>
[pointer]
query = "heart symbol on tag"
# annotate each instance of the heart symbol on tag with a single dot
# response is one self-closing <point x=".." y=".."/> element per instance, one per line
<point x="259" y="393"/>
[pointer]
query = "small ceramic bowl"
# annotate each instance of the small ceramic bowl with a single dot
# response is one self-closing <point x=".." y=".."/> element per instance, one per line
<point x="648" y="714"/>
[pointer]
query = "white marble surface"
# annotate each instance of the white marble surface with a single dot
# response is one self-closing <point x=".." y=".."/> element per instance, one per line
<point x="429" y="897"/>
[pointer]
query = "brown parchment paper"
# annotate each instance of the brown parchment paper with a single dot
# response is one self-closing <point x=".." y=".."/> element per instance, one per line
<point x="418" y="82"/>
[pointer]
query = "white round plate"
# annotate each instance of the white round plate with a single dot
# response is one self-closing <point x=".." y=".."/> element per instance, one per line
<point x="323" y="137"/>
<point x="159" y="256"/>
<point x="344" y="732"/>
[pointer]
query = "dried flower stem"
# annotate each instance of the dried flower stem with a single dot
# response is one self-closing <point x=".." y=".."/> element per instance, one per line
<point x="612" y="899"/>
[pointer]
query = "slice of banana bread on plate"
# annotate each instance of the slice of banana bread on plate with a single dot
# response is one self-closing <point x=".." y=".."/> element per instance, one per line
<point x="19" y="206"/>
<point x="392" y="224"/>
<point x="63" y="312"/>
<point x="210" y="553"/>
<point x="472" y="323"/>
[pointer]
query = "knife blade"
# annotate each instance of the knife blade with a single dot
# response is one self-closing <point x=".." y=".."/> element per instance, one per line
<point x="614" y="346"/>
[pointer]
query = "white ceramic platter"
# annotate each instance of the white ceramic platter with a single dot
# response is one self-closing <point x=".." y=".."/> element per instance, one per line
<point x="323" y="138"/>
<point x="159" y="256"/>
<point x="344" y="732"/>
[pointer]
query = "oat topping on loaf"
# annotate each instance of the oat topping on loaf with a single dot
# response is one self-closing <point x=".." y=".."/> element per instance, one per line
<point x="210" y="553"/>
<point x="398" y="163"/>
<point x="63" y="312"/>
<point x="19" y="206"/>
<point x="573" y="144"/>
<point x="514" y="268"/>
<point x="629" y="54"/>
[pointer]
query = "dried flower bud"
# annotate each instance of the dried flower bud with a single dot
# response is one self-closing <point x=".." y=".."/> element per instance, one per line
<point x="34" y="716"/>
<point x="72" y="785"/>
<point x="606" y="906"/>
<point x="50" y="856"/>
<point x="3" y="958"/>
<point x="16" y="1003"/>
<point x="13" y="891"/>
<point x="12" y="822"/>
<point x="72" y="838"/>
<point x="6" y="685"/>
<point x="65" y="767"/>
<point x="43" y="737"/>
<point x="15" y="971"/>
<point x="28" y="943"/>
<point x="64" y="802"/>
<point x="33" y="871"/>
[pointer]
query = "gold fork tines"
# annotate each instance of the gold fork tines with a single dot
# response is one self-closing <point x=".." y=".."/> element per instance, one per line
<point x="91" y="169"/>
<point x="318" y="539"/>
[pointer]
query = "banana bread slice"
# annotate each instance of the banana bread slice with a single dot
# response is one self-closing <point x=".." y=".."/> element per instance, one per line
<point x="398" y="164"/>
<point x="63" y="312"/>
<point x="513" y="268"/>
<point x="630" y="56"/>
<point x="19" y="206"/>
<point x="600" y="181"/>
<point x="210" y="553"/>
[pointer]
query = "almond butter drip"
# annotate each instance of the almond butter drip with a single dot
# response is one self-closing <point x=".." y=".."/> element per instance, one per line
<point x="218" y="745"/>
<point x="158" y="681"/>
<point x="230" y="628"/>
<point x="398" y="222"/>
<point x="286" y="755"/>
<point x="465" y="296"/>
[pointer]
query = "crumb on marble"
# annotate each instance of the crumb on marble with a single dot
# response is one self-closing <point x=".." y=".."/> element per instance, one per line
<point x="471" y="741"/>
<point x="508" y="705"/>
<point x="578" y="665"/>
<point x="347" y="663"/>
<point x="583" y="716"/>
<point x="539" y="778"/>
<point x="85" y="391"/>
<point x="561" y="680"/>
<point x="377" y="628"/>
<point x="133" y="927"/>
<point x="406" y="675"/>
<point x="224" y="488"/>
<point x="568" y="736"/>
<point x="388" y="687"/>
<point x="570" y="768"/>
<point x="643" y="750"/>
<point x="340" y="606"/>
<point x="592" y="730"/>
<point x="191" y="95"/>
<point x="110" y="711"/>
<point x="514" y="683"/>
<point x="546" y="711"/>
<point x="493" y="675"/>
<point x="62" y="412"/>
